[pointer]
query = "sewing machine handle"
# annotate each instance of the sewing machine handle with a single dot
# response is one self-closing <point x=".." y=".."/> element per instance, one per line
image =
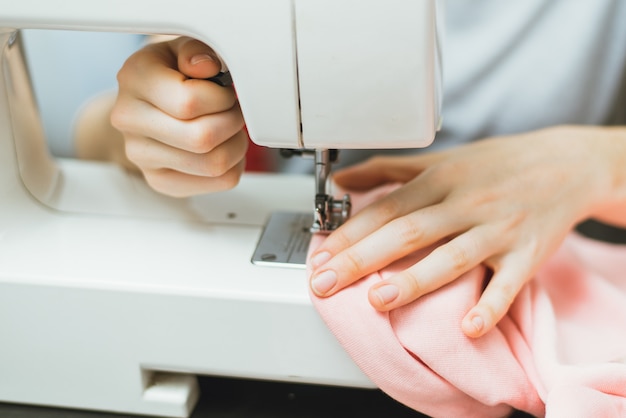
<point x="303" y="69"/>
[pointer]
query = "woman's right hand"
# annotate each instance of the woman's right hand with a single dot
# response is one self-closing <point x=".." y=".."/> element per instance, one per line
<point x="185" y="133"/>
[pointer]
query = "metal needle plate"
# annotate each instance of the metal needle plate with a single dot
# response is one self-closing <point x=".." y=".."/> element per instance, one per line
<point x="285" y="240"/>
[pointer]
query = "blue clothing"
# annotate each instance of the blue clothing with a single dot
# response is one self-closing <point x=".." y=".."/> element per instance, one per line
<point x="512" y="67"/>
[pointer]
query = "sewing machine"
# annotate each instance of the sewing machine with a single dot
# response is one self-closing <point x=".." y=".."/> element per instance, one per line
<point x="113" y="297"/>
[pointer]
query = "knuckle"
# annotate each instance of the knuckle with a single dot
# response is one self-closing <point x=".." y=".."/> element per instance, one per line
<point x="340" y="239"/>
<point x="221" y="160"/>
<point x="353" y="263"/>
<point x="506" y="292"/>
<point x="120" y="76"/>
<point x="133" y="152"/>
<point x="229" y="180"/>
<point x="185" y="104"/>
<point x="125" y="74"/>
<point x="201" y="139"/>
<point x="217" y="164"/>
<point x="133" y="68"/>
<point x="119" y="117"/>
<point x="160" y="181"/>
<point x="224" y="99"/>
<point x="409" y="230"/>
<point x="439" y="173"/>
<point x="501" y="297"/>
<point x="460" y="258"/>
<point x="389" y="208"/>
<point x="413" y="284"/>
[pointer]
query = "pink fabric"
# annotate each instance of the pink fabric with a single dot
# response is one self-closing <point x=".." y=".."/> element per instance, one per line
<point x="559" y="352"/>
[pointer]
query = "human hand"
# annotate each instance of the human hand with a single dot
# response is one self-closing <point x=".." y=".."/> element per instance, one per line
<point x="506" y="203"/>
<point x="186" y="134"/>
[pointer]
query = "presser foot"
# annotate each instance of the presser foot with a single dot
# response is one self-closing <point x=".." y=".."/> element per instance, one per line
<point x="330" y="213"/>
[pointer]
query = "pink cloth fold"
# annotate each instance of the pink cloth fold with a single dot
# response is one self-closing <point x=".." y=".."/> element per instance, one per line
<point x="559" y="352"/>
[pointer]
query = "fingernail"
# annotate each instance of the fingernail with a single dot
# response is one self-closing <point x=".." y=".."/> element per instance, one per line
<point x="478" y="323"/>
<point x="319" y="259"/>
<point x="387" y="293"/>
<point x="323" y="282"/>
<point x="200" y="58"/>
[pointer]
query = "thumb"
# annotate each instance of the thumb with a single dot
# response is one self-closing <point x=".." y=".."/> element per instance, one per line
<point x="196" y="59"/>
<point x="376" y="172"/>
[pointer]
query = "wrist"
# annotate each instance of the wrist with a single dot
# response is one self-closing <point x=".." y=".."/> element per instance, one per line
<point x="608" y="154"/>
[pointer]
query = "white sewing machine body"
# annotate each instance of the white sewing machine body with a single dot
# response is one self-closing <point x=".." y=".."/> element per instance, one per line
<point x="113" y="297"/>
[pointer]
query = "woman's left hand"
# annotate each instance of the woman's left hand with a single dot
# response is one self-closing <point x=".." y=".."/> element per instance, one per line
<point x="506" y="203"/>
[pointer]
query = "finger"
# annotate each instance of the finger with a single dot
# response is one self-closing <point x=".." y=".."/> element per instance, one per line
<point x="153" y="155"/>
<point x="402" y="236"/>
<point x="382" y="170"/>
<point x="443" y="265"/>
<point x="200" y="135"/>
<point x="377" y="171"/>
<point x="177" y="184"/>
<point x="495" y="300"/>
<point x="409" y="198"/>
<point x="151" y="75"/>
<point x="196" y="59"/>
<point x="190" y="98"/>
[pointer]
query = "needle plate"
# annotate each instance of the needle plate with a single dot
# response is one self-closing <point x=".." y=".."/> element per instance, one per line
<point x="285" y="240"/>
